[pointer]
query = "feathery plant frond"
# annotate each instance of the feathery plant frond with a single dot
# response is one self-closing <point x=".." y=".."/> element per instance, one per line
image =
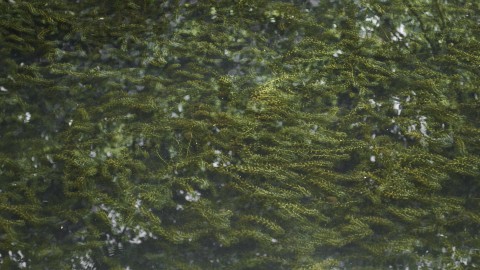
<point x="239" y="134"/>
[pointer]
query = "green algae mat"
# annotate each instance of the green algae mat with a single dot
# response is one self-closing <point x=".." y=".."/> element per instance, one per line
<point x="249" y="134"/>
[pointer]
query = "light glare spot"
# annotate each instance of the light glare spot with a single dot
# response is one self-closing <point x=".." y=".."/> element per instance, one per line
<point x="337" y="53"/>
<point x="193" y="197"/>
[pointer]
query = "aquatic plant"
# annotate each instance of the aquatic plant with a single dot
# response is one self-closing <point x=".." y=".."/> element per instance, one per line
<point x="239" y="134"/>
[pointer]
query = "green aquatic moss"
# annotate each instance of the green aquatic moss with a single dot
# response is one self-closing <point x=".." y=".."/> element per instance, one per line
<point x="239" y="134"/>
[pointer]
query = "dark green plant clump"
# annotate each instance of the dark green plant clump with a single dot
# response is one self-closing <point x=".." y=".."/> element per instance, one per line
<point x="250" y="134"/>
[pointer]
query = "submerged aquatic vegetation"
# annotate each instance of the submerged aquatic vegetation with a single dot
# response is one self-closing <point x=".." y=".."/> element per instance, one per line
<point x="239" y="134"/>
